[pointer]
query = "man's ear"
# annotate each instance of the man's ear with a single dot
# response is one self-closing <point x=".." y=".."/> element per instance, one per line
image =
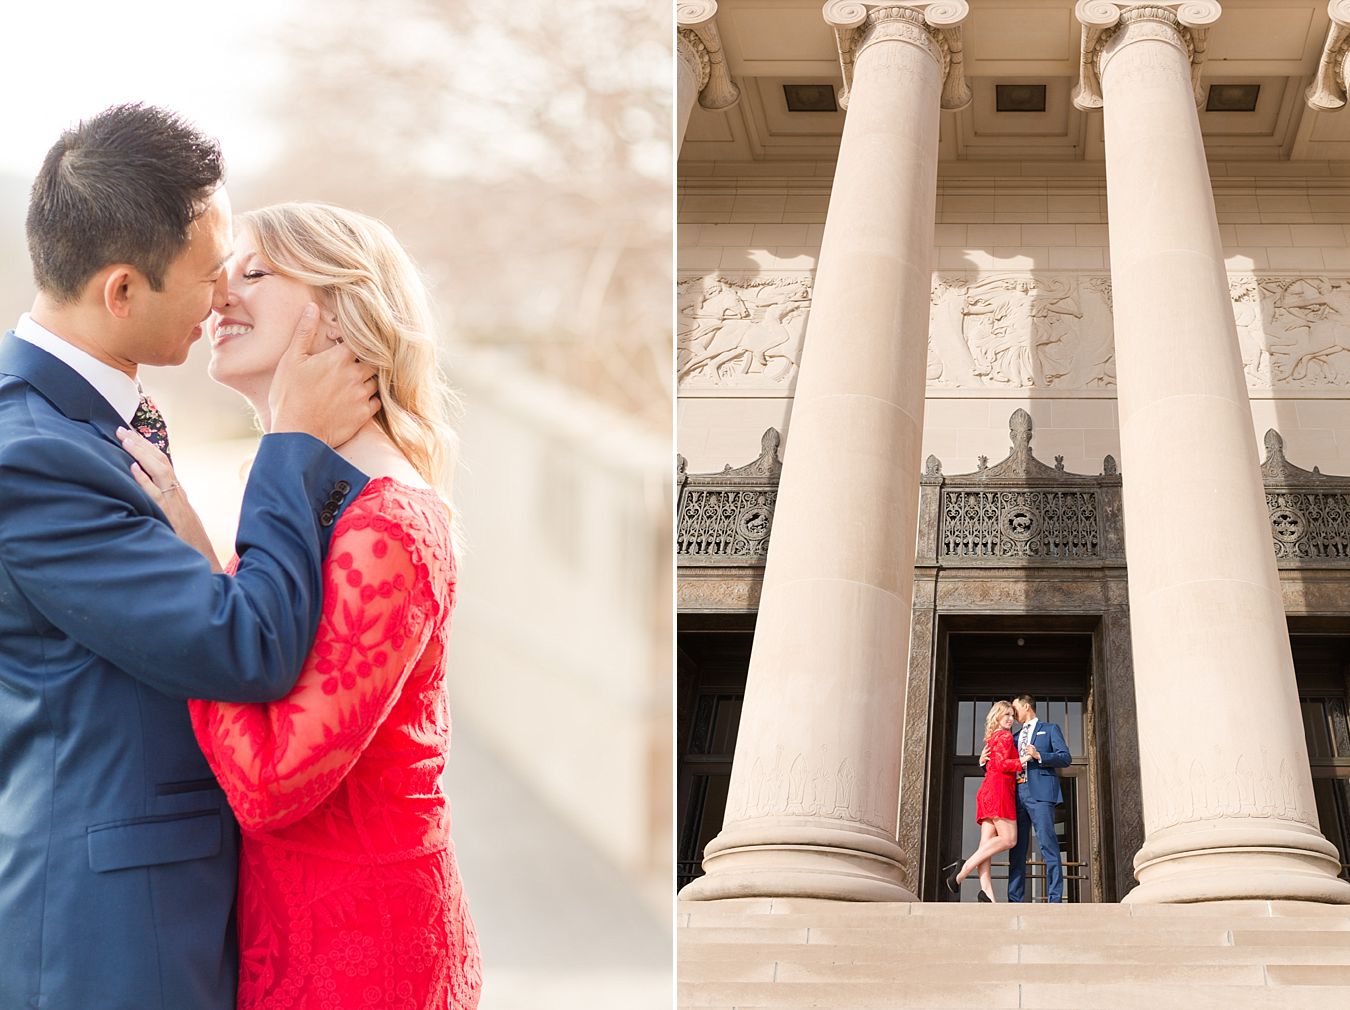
<point x="115" y="285"/>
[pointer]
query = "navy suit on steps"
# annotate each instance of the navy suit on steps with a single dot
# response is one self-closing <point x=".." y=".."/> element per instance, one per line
<point x="118" y="852"/>
<point x="1036" y="799"/>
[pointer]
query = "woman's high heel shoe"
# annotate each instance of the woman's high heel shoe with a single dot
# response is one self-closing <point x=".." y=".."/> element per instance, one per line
<point x="985" y="898"/>
<point x="949" y="876"/>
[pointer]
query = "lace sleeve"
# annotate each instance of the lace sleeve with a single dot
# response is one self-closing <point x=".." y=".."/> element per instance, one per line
<point x="1003" y="753"/>
<point x="278" y="761"/>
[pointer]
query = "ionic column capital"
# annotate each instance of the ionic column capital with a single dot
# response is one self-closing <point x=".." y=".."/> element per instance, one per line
<point x="1328" y="89"/>
<point x="932" y="25"/>
<point x="1109" y="27"/>
<point x="693" y="54"/>
<point x="699" y="46"/>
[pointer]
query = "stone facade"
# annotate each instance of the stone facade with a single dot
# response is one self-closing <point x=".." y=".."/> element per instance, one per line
<point x="1022" y="314"/>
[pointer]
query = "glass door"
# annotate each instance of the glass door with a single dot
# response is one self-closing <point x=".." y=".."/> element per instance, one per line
<point x="1071" y="828"/>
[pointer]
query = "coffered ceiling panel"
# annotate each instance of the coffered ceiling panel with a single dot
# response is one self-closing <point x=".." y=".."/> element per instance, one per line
<point x="769" y="43"/>
<point x="1021" y="34"/>
<point x="1265" y="33"/>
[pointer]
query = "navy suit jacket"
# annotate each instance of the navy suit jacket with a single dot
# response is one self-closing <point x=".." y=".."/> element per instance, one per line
<point x="118" y="852"/>
<point x="1042" y="783"/>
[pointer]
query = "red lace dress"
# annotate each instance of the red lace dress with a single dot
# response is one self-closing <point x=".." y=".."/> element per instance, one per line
<point x="995" y="798"/>
<point x="349" y="896"/>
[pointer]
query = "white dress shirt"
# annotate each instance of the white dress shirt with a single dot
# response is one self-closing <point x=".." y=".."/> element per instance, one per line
<point x="1028" y="731"/>
<point x="121" y="391"/>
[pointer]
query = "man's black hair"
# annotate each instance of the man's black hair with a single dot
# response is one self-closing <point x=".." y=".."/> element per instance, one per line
<point x="122" y="187"/>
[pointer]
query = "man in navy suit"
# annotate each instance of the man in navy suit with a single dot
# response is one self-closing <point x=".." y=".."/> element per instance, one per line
<point x="117" y="849"/>
<point x="1037" y="798"/>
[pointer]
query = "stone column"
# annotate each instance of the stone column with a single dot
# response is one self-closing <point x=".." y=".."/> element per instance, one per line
<point x="1227" y="792"/>
<point x="814" y="792"/>
<point x="701" y="68"/>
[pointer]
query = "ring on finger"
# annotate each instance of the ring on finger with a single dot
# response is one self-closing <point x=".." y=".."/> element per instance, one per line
<point x="171" y="487"/>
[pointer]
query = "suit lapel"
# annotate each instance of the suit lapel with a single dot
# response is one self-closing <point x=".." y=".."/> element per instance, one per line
<point x="60" y="385"/>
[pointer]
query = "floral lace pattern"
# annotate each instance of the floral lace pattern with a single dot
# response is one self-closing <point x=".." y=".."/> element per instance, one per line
<point x="349" y="895"/>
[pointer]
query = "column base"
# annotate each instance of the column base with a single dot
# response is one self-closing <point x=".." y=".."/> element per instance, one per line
<point x="1289" y="862"/>
<point x="801" y="861"/>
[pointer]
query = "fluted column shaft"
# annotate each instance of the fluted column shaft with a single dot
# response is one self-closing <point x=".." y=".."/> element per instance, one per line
<point x="814" y="789"/>
<point x="1228" y="801"/>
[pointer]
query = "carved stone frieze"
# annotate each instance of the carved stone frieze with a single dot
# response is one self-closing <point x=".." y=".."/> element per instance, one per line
<point x="1008" y="331"/>
<point x="697" y="25"/>
<point x="932" y="25"/>
<point x="1019" y="331"/>
<point x="715" y="591"/>
<point x="1327" y="92"/>
<point x="1309" y="510"/>
<point x="738" y="333"/>
<point x="1294" y="331"/>
<point x="725" y="518"/>
<point x="1108" y="26"/>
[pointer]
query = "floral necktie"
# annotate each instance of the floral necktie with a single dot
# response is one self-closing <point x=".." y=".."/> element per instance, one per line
<point x="149" y="422"/>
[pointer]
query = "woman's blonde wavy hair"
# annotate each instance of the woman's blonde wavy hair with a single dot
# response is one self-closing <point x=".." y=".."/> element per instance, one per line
<point x="383" y="314"/>
<point x="996" y="712"/>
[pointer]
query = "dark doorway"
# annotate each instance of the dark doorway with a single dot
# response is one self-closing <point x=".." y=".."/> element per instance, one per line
<point x="711" y="674"/>
<point x="1322" y="668"/>
<point x="1056" y="669"/>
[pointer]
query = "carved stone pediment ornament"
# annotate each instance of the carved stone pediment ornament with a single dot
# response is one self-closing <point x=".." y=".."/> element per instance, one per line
<point x="1183" y="22"/>
<point x="1309" y="510"/>
<point x="1327" y="92"/>
<point x="697" y="28"/>
<point x="1020" y="511"/>
<point x="725" y="518"/>
<point x="931" y="24"/>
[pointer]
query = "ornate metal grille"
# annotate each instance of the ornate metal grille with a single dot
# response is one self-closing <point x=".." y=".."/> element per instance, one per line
<point x="725" y="518"/>
<point x="725" y="525"/>
<point x="1310" y="525"/>
<point x="1035" y="523"/>
<point x="1018" y="511"/>
<point x="1309" y="510"/>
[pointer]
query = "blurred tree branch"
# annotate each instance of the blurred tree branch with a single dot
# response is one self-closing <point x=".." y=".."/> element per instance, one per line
<point x="522" y="152"/>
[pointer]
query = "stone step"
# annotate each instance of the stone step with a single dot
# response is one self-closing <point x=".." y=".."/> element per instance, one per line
<point x="1012" y="995"/>
<point x="924" y="973"/>
<point x="1030" y="953"/>
<point x="779" y="954"/>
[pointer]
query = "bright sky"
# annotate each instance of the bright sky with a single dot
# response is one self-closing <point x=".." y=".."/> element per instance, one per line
<point x="68" y="59"/>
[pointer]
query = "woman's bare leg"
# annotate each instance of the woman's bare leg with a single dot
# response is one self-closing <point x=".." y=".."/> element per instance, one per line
<point x="988" y="847"/>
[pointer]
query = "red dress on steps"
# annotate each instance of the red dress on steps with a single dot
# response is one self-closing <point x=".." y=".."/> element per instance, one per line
<point x="995" y="798"/>
<point x="349" y="896"/>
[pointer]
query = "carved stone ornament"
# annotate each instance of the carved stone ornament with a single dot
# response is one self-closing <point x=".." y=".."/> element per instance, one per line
<point x="1309" y="510"/>
<point x="1327" y="92"/>
<point x="1183" y="22"/>
<point x="1293" y="331"/>
<point x="691" y="51"/>
<point x="1011" y="331"/>
<point x="1021" y="331"/>
<point x="1021" y="511"/>
<point x="725" y="518"/>
<point x="934" y="25"/>
<point x="738" y="333"/>
<point x="1017" y="513"/>
<point x="696" y="21"/>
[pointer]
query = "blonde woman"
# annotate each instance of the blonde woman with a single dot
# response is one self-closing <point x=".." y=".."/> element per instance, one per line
<point x="995" y="806"/>
<point x="349" y="895"/>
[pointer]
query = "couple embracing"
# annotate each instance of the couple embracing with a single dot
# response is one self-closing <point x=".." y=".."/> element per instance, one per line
<point x="1020" y="790"/>
<point x="151" y="698"/>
